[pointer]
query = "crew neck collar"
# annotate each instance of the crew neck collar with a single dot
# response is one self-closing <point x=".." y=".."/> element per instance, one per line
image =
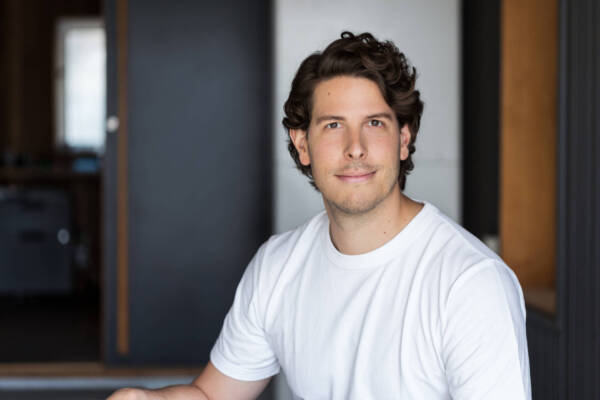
<point x="383" y="253"/>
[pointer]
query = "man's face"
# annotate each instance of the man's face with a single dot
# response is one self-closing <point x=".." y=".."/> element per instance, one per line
<point x="354" y="144"/>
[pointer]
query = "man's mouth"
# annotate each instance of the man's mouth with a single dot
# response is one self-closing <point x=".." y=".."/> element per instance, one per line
<point x="356" y="177"/>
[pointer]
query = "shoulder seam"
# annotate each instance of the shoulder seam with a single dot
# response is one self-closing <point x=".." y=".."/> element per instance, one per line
<point x="463" y="239"/>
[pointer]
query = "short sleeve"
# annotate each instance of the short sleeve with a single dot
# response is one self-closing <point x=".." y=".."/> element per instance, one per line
<point x="242" y="350"/>
<point x="484" y="337"/>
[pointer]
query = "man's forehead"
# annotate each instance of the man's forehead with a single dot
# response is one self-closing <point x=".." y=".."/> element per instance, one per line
<point x="347" y="90"/>
<point x="345" y="83"/>
<point x="348" y="96"/>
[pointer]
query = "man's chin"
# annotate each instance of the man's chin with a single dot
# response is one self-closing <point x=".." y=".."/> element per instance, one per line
<point x="355" y="203"/>
<point x="353" y="207"/>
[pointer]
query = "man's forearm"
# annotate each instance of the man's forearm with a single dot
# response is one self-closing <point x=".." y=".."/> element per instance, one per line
<point x="176" y="392"/>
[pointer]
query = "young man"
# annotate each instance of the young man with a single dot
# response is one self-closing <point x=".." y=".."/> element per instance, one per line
<point x="379" y="296"/>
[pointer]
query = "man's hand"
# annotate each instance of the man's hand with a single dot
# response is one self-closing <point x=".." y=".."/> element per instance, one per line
<point x="212" y="384"/>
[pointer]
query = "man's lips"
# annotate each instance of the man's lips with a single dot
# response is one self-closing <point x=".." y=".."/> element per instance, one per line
<point x="356" y="177"/>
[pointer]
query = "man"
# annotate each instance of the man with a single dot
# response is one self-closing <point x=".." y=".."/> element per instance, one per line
<point x="379" y="296"/>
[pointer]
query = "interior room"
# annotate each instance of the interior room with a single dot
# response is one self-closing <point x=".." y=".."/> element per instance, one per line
<point x="50" y="180"/>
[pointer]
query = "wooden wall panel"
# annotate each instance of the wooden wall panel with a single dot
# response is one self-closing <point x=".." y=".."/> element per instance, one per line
<point x="528" y="118"/>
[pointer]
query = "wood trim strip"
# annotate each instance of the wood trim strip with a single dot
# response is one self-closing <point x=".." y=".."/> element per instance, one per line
<point x="122" y="185"/>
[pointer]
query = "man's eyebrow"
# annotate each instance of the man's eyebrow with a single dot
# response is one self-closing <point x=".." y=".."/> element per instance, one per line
<point x="339" y="118"/>
<point x="380" y="115"/>
<point x="329" y="117"/>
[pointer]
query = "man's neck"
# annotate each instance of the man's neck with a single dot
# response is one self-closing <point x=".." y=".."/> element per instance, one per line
<point x="357" y="234"/>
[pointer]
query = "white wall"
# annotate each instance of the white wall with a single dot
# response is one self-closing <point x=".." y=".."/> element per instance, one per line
<point x="428" y="32"/>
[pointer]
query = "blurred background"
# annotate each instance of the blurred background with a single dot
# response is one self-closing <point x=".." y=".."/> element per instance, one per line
<point x="143" y="162"/>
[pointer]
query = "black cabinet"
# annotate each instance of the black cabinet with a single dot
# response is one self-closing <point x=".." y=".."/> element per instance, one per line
<point x="35" y="232"/>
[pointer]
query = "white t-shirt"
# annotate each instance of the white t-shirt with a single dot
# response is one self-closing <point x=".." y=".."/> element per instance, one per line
<point x="431" y="314"/>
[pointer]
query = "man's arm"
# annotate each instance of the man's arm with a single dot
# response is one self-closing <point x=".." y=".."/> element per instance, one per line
<point x="211" y="384"/>
<point x="485" y="343"/>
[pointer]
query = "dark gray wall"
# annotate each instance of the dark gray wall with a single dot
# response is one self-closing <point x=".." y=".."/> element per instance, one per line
<point x="579" y="196"/>
<point x="565" y="350"/>
<point x="546" y="363"/>
<point x="199" y="169"/>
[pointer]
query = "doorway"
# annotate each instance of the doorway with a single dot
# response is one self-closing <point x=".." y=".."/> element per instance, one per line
<point x="52" y="119"/>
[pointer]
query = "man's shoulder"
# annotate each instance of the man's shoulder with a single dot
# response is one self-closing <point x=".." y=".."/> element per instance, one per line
<point x="463" y="256"/>
<point x="280" y="246"/>
<point x="456" y="250"/>
<point x="455" y="237"/>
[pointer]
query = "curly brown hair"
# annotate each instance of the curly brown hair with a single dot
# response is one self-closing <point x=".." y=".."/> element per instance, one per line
<point x="357" y="56"/>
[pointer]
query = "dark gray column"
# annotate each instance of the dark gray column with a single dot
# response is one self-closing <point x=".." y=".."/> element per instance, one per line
<point x="579" y="197"/>
<point x="199" y="170"/>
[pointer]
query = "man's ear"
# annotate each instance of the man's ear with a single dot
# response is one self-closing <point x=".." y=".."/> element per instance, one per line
<point x="300" y="140"/>
<point x="404" y="141"/>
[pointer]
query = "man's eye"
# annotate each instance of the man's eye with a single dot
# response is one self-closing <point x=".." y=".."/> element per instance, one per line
<point x="332" y="125"/>
<point x="375" y="122"/>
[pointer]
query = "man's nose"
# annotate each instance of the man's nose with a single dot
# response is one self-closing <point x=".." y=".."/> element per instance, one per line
<point x="356" y="147"/>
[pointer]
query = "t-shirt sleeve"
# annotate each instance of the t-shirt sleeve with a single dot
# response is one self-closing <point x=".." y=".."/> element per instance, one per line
<point x="242" y="350"/>
<point x="484" y="337"/>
